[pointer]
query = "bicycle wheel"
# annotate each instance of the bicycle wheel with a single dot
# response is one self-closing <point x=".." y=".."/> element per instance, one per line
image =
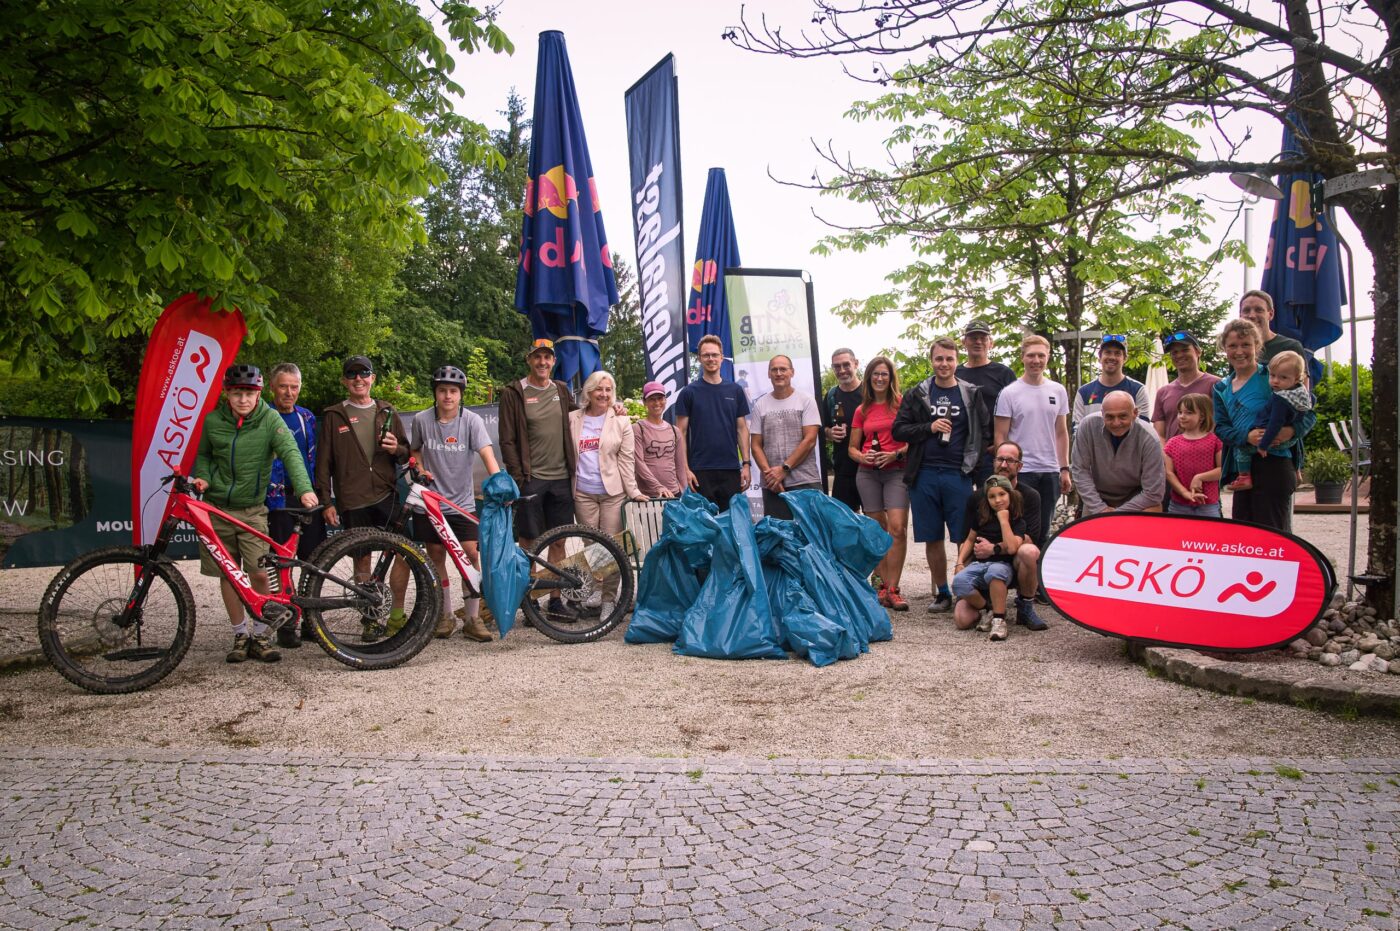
<point x="359" y="630"/>
<point x="94" y="642"/>
<point x="602" y="595"/>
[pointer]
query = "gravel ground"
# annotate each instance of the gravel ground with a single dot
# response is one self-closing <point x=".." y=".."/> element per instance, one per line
<point x="933" y="692"/>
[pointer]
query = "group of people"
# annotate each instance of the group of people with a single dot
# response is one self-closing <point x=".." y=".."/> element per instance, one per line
<point x="973" y="455"/>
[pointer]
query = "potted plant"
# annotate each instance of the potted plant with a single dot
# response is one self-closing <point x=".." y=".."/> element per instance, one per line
<point x="1329" y="470"/>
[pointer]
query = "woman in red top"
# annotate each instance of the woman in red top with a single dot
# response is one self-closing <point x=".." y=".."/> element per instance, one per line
<point x="880" y="478"/>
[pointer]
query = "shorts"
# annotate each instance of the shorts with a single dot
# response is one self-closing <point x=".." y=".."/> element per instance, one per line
<point x="718" y="485"/>
<point x="422" y="530"/>
<point x="1199" y="510"/>
<point x="774" y="505"/>
<point x="552" y="506"/>
<point x="281" y="526"/>
<point x="378" y="514"/>
<point x="882" y="490"/>
<point x="245" y="548"/>
<point x="979" y="577"/>
<point x="939" y="499"/>
<point x="845" y="489"/>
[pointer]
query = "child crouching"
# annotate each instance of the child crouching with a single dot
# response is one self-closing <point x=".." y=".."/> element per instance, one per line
<point x="978" y="582"/>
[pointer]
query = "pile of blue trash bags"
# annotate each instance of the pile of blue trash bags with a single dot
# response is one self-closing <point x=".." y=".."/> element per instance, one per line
<point x="719" y="586"/>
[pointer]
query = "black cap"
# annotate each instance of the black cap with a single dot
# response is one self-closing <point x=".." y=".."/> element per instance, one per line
<point x="357" y="364"/>
<point x="1180" y="336"/>
<point x="977" y="326"/>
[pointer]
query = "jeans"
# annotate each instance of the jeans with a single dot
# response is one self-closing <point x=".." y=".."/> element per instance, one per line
<point x="1198" y="510"/>
<point x="1047" y="484"/>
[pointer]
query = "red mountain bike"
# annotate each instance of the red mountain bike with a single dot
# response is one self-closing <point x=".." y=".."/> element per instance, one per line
<point x="586" y="591"/>
<point x="120" y="619"/>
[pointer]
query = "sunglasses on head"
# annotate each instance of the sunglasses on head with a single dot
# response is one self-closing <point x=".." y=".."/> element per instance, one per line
<point x="1118" y="338"/>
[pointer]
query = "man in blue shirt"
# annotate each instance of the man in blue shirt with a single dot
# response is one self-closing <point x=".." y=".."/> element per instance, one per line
<point x="1113" y="355"/>
<point x="710" y="415"/>
<point x="286" y="389"/>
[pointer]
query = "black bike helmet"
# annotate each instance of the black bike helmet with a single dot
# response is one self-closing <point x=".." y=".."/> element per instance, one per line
<point x="450" y="375"/>
<point x="243" y="376"/>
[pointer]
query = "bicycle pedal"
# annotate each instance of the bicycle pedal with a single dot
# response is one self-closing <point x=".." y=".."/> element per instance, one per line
<point x="275" y="614"/>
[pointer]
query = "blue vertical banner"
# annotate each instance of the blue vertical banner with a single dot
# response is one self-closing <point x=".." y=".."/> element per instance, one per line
<point x="565" y="283"/>
<point x="717" y="249"/>
<point x="654" y="148"/>
<point x="1303" y="267"/>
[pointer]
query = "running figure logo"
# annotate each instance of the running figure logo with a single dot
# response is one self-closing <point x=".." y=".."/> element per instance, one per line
<point x="1252" y="592"/>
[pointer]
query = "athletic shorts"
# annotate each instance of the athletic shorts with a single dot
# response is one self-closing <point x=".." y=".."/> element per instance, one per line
<point x="422" y="529"/>
<point x="882" y="490"/>
<point x="552" y="506"/>
<point x="938" y="499"/>
<point x="245" y="548"/>
<point x="377" y="514"/>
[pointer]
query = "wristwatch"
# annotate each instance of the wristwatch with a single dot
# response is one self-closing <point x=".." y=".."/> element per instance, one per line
<point x="1064" y="468"/>
<point x="786" y="467"/>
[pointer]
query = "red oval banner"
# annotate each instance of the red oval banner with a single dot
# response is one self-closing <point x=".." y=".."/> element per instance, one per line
<point x="1186" y="581"/>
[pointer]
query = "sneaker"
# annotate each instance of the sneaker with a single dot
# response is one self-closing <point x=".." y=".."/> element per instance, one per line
<point x="240" y="649"/>
<point x="557" y="607"/>
<point x="445" y="625"/>
<point x="260" y="648"/>
<point x="1026" y="616"/>
<point x="474" y="629"/>
<point x="1041" y="598"/>
<point x="370" y="631"/>
<point x="941" y="603"/>
<point x="1241" y="483"/>
<point x="397" y="618"/>
<point x="896" y="601"/>
<point x="884" y="595"/>
<point x="984" y="622"/>
<point x="287" y="637"/>
<point x="998" y="629"/>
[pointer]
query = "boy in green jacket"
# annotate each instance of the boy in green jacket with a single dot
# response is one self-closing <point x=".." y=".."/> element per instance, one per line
<point x="237" y="444"/>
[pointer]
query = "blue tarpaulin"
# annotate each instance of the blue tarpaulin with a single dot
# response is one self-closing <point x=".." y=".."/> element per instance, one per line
<point x="505" y="570"/>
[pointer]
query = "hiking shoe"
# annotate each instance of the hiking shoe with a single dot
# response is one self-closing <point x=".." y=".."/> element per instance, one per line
<point x="884" y="595"/>
<point x="1026" y="616"/>
<point x="445" y="625"/>
<point x="984" y="622"/>
<point x="474" y="629"/>
<point x="896" y="600"/>
<point x="287" y="637"/>
<point x="396" y="622"/>
<point x="558" y="607"/>
<point x="941" y="603"/>
<point x="371" y="631"/>
<point x="1242" y="483"/>
<point x="998" y="629"/>
<point x="261" y="649"/>
<point x="240" y="649"/>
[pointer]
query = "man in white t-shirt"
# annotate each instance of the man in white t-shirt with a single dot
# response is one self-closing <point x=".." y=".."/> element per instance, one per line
<point x="1033" y="412"/>
<point x="783" y="436"/>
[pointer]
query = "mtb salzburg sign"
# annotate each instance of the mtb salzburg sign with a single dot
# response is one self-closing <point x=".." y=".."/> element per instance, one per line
<point x="1187" y="581"/>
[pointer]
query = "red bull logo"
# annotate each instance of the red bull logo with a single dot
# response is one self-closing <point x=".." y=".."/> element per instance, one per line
<point x="552" y="191"/>
<point x="706" y="272"/>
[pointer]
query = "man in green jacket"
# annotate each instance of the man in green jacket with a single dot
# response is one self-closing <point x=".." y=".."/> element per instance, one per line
<point x="237" y="444"/>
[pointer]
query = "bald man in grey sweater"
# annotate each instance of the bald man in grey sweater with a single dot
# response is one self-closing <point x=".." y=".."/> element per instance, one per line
<point x="1117" y="459"/>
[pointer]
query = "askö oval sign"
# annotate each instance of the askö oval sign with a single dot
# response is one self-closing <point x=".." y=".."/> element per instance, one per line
<point x="1187" y="581"/>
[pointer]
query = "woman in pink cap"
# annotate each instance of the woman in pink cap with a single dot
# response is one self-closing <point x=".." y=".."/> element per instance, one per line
<point x="660" y="453"/>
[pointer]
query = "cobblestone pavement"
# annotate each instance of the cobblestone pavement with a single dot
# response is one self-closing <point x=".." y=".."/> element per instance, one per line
<point x="289" y="840"/>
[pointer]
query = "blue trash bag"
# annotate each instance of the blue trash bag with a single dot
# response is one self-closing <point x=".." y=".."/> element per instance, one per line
<point x="804" y="630"/>
<point x="670" y="583"/>
<point x="843" y="549"/>
<point x="505" y="569"/>
<point x="731" y="617"/>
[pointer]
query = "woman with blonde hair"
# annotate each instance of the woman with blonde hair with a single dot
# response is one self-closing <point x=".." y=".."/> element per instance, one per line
<point x="606" y="473"/>
<point x="880" y="476"/>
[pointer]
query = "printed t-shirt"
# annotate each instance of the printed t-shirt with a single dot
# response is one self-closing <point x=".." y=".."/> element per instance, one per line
<point x="655" y="446"/>
<point x="544" y="422"/>
<point x="876" y="421"/>
<point x="780" y="423"/>
<point x="849" y="402"/>
<point x="448" y="450"/>
<point x="294" y="424"/>
<point x="1170" y="395"/>
<point x="590" y="475"/>
<point x="1192" y="457"/>
<point x="946" y="402"/>
<point x="1033" y="410"/>
<point x="1091" y="397"/>
<point x="712" y="436"/>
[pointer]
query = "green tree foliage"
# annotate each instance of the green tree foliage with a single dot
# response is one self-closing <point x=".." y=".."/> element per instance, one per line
<point x="147" y="148"/>
<point x="1057" y="241"/>
<point x="459" y="283"/>
<point x="623" y="349"/>
<point x="1332" y="402"/>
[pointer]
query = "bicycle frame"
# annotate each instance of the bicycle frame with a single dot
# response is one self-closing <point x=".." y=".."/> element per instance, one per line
<point x="432" y="505"/>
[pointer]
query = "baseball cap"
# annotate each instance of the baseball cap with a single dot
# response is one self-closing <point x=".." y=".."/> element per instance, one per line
<point x="977" y="326"/>
<point x="540" y="345"/>
<point x="654" y="387"/>
<point x="357" y="364"/>
<point x="1114" y="339"/>
<point x="1180" y="336"/>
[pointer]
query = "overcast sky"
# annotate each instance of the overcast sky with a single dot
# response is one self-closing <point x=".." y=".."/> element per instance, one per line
<point x="755" y="116"/>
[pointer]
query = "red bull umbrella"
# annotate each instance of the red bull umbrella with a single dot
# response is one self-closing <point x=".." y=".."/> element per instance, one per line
<point x="565" y="282"/>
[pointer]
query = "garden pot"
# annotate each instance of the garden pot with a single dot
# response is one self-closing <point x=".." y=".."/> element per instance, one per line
<point x="1328" y="492"/>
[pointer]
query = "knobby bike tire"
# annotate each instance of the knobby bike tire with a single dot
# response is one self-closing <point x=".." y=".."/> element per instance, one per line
<point x="77" y="628"/>
<point x="606" y="571"/>
<point x="339" y="631"/>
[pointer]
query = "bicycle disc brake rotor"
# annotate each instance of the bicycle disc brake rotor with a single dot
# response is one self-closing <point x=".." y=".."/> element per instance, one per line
<point x="104" y="623"/>
<point x="380" y="601"/>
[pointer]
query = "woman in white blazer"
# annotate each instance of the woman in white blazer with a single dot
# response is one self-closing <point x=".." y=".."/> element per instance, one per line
<point x="606" y="474"/>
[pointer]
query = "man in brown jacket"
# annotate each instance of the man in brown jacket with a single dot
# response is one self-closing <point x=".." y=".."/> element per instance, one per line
<point x="535" y="444"/>
<point x="360" y="443"/>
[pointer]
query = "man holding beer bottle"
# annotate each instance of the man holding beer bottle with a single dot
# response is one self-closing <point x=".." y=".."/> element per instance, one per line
<point x="837" y="410"/>
<point x="946" y="426"/>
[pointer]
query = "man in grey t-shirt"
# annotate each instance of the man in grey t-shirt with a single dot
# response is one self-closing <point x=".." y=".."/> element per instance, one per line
<point x="784" y="426"/>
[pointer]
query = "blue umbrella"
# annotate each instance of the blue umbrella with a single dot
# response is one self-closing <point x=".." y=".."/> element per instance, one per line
<point x="565" y="283"/>
<point x="1303" y="269"/>
<point x="718" y="249"/>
